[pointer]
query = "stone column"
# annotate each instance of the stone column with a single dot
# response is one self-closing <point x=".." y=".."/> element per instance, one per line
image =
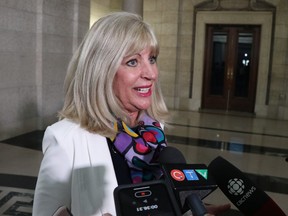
<point x="133" y="6"/>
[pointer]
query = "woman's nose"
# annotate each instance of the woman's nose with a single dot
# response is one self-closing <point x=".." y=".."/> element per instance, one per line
<point x="149" y="71"/>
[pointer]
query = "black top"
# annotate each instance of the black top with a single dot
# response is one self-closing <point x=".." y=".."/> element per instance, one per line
<point x="121" y="168"/>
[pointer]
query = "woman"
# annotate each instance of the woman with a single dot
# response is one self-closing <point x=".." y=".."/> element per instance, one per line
<point x="112" y="102"/>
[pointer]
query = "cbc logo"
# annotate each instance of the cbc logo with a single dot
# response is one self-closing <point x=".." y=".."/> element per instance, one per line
<point x="236" y="186"/>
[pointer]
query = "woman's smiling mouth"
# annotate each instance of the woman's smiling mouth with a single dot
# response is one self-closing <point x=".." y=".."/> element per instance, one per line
<point x="143" y="90"/>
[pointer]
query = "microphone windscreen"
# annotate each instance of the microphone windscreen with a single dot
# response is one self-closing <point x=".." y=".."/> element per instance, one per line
<point x="241" y="191"/>
<point x="171" y="155"/>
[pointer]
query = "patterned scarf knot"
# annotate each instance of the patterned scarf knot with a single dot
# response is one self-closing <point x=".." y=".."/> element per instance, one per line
<point x="141" y="147"/>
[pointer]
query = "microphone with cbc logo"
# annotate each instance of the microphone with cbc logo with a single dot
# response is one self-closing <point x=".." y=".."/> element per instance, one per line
<point x="241" y="191"/>
<point x="185" y="179"/>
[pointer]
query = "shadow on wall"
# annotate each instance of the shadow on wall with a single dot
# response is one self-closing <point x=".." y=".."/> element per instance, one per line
<point x="27" y="116"/>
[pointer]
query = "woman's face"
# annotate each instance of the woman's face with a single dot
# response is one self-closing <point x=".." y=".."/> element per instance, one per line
<point x="135" y="81"/>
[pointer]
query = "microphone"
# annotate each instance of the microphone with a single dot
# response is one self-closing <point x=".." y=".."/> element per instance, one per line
<point x="190" y="182"/>
<point x="171" y="155"/>
<point x="241" y="191"/>
<point x="146" y="198"/>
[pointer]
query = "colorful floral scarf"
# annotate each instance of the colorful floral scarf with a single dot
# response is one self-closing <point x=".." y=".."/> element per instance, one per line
<point x="140" y="146"/>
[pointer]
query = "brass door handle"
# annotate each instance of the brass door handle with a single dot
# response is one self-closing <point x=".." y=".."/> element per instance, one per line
<point x="230" y="73"/>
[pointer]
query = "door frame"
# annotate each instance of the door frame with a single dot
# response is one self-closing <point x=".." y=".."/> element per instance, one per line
<point x="262" y="18"/>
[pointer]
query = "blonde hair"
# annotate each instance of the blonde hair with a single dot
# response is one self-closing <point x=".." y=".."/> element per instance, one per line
<point x="89" y="97"/>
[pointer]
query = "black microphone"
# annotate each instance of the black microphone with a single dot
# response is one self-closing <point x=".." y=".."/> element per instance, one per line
<point x="171" y="155"/>
<point x="190" y="182"/>
<point x="241" y="191"/>
<point x="146" y="198"/>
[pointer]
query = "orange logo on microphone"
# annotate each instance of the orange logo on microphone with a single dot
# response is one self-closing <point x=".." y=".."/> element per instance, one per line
<point x="177" y="175"/>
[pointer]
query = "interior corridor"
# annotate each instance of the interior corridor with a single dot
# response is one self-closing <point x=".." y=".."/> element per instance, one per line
<point x="258" y="147"/>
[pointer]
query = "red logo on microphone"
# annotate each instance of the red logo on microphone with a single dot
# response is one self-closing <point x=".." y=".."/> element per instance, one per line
<point x="177" y="175"/>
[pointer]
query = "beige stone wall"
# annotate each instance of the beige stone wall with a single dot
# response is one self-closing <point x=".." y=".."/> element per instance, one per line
<point x="100" y="8"/>
<point x="181" y="71"/>
<point x="37" y="39"/>
<point x="173" y="23"/>
<point x="278" y="95"/>
<point x="163" y="16"/>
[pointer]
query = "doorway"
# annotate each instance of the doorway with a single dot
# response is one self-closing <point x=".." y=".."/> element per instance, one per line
<point x="230" y="67"/>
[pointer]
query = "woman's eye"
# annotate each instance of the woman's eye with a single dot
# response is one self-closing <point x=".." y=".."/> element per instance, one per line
<point x="132" y="63"/>
<point x="153" y="59"/>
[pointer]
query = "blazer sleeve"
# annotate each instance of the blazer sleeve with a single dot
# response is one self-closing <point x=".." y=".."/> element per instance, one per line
<point x="53" y="188"/>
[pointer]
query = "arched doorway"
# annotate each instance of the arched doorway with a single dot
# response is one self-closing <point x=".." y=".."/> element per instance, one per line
<point x="264" y="19"/>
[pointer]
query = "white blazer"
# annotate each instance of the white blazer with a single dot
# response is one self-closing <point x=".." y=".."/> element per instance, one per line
<point x="76" y="171"/>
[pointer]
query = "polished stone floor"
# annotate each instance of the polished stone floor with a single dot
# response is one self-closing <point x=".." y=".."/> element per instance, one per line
<point x="258" y="147"/>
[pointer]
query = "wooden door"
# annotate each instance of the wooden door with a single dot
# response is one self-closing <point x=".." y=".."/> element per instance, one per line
<point x="230" y="70"/>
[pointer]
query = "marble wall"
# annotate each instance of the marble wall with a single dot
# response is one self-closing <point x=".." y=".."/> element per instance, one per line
<point x="18" y="92"/>
<point x="37" y="39"/>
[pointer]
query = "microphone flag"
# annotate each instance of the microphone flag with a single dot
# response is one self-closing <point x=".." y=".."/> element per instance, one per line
<point x="187" y="179"/>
